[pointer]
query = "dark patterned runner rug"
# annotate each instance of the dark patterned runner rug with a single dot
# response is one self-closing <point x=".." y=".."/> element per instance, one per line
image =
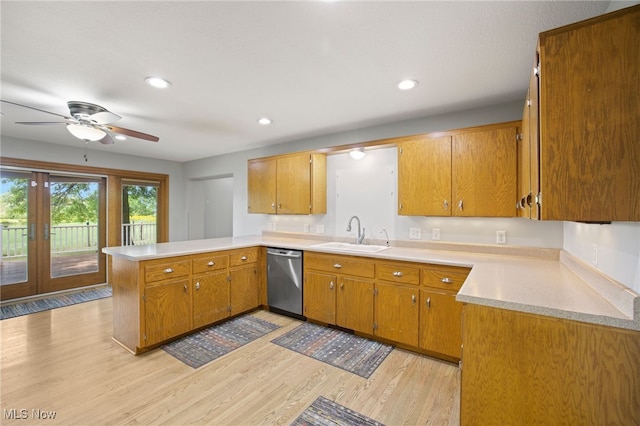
<point x="324" y="412"/>
<point x="204" y="346"/>
<point x="53" y="302"/>
<point x="355" y="354"/>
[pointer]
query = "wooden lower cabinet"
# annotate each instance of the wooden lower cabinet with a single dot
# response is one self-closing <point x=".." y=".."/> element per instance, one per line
<point x="157" y="300"/>
<point x="243" y="289"/>
<point x="526" y="369"/>
<point x="354" y="304"/>
<point x="319" y="297"/>
<point x="440" y="322"/>
<point x="396" y="313"/>
<point x="210" y="298"/>
<point x="167" y="311"/>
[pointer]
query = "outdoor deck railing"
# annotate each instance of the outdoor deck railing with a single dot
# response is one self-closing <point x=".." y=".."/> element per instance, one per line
<point x="73" y="238"/>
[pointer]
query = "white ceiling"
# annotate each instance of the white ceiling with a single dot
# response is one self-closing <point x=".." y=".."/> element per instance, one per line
<point x="314" y="67"/>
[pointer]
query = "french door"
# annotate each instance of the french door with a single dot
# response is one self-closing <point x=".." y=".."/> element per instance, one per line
<point x="53" y="231"/>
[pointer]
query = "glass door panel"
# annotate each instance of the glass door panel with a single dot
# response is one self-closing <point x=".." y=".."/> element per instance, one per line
<point x="139" y="213"/>
<point x="18" y="234"/>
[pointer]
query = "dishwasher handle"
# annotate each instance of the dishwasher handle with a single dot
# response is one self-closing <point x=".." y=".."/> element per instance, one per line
<point x="296" y="255"/>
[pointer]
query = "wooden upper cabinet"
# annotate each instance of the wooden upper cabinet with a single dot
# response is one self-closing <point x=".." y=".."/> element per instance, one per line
<point x="523" y="195"/>
<point x="261" y="185"/>
<point x="424" y="177"/>
<point x="288" y="184"/>
<point x="590" y="119"/>
<point x="484" y="172"/>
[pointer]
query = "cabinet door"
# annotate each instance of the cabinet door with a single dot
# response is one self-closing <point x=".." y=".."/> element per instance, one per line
<point x="210" y="298"/>
<point x="167" y="311"/>
<point x="523" y="208"/>
<point x="440" y="323"/>
<point x="319" y="297"/>
<point x="261" y="185"/>
<point x="354" y="308"/>
<point x="396" y="313"/>
<point x="293" y="184"/>
<point x="484" y="173"/>
<point x="424" y="177"/>
<point x="243" y="287"/>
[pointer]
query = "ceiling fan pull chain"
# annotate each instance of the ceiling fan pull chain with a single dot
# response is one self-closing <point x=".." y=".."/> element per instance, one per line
<point x="85" y="152"/>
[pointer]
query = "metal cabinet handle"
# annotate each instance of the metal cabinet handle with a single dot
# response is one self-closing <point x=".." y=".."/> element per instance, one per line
<point x="273" y="205"/>
<point x="168" y="271"/>
<point x="331" y="285"/>
<point x="337" y="266"/>
<point x="461" y="205"/>
<point x="211" y="263"/>
<point x="185" y="288"/>
<point x="341" y="286"/>
<point x="446" y="280"/>
<point x="397" y="274"/>
<point x="197" y="285"/>
<point x="445" y="205"/>
<point x="413" y="299"/>
<point x="243" y="258"/>
<point x="428" y="302"/>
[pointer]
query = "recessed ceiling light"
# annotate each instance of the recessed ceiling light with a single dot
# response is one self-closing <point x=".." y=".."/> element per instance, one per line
<point x="157" y="82"/>
<point x="121" y="138"/>
<point x="265" y="121"/>
<point x="407" y="84"/>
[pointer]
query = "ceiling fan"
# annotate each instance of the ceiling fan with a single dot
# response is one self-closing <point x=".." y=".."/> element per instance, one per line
<point x="88" y="122"/>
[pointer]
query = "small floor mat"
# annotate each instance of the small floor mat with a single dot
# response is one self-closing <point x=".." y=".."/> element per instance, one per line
<point x="352" y="353"/>
<point x="53" y="302"/>
<point x="324" y="412"/>
<point x="204" y="346"/>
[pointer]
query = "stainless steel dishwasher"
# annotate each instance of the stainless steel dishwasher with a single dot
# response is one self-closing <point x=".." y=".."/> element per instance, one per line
<point x="284" y="281"/>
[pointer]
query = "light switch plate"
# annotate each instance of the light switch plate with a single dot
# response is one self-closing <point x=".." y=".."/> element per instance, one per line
<point x="501" y="237"/>
<point x="319" y="229"/>
<point x="415" y="233"/>
<point x="435" y="234"/>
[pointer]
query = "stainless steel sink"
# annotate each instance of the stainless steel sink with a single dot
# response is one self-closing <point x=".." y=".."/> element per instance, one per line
<point x="353" y="248"/>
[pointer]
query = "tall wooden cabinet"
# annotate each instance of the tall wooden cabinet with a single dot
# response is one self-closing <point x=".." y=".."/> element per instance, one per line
<point x="468" y="172"/>
<point x="589" y="125"/>
<point x="288" y="184"/>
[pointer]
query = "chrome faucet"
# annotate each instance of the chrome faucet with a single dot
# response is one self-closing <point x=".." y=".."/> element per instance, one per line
<point x="360" y="234"/>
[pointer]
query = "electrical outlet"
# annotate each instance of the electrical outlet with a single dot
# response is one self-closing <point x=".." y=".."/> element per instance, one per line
<point x="501" y="237"/>
<point x="435" y="234"/>
<point x="594" y="254"/>
<point x="415" y="233"/>
<point x="319" y="229"/>
<point x="274" y="227"/>
<point x="307" y="227"/>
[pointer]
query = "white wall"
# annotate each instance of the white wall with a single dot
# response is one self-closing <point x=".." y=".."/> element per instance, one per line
<point x="40" y="151"/>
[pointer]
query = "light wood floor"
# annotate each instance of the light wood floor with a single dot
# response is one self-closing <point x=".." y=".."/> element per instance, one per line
<point x="65" y="361"/>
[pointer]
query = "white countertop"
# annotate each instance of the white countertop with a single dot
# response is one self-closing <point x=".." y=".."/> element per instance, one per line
<point x="516" y="282"/>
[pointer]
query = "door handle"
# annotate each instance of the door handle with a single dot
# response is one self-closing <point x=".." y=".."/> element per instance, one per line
<point x="46" y="231"/>
<point x="32" y="232"/>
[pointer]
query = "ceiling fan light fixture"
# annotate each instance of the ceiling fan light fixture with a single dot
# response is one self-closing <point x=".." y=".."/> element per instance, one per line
<point x="357" y="153"/>
<point x="121" y="138"/>
<point x="407" y="84"/>
<point x="85" y="133"/>
<point x="157" y="82"/>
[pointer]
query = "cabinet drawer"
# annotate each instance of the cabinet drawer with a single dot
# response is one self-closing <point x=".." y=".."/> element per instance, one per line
<point x="210" y="262"/>
<point x="243" y="256"/>
<point x="399" y="272"/>
<point x="337" y="264"/>
<point x="168" y="269"/>
<point x="445" y="277"/>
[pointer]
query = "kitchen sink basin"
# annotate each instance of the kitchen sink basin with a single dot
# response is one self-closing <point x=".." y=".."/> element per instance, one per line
<point x="353" y="248"/>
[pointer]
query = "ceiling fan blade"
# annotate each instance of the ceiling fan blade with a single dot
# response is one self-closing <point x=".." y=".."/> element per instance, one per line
<point x="107" y="140"/>
<point x="131" y="133"/>
<point x="36" y="109"/>
<point x="104" y="117"/>
<point x="40" y="122"/>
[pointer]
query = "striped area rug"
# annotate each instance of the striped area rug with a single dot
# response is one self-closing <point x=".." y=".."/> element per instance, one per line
<point x="343" y="350"/>
<point x="324" y="412"/>
<point x="204" y="346"/>
<point x="53" y="302"/>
